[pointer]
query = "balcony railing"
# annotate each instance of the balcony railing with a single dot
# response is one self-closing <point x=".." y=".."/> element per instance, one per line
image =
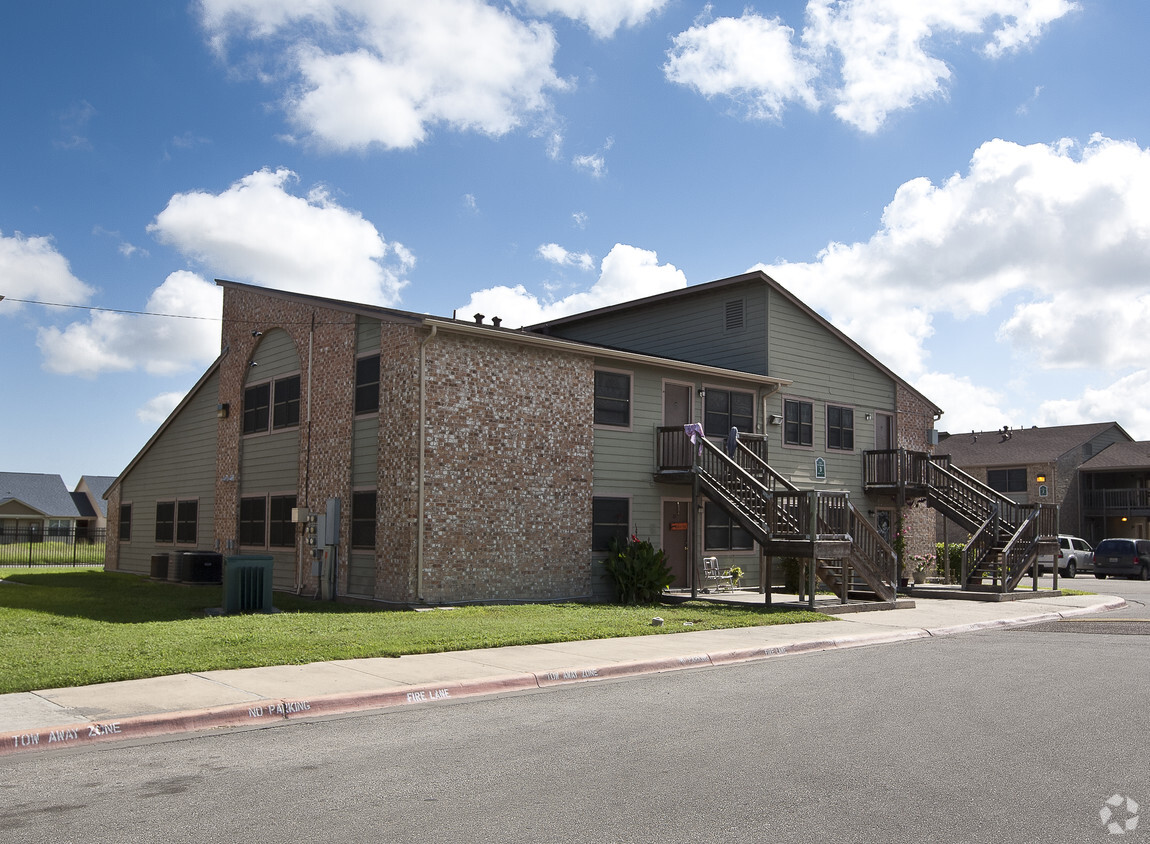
<point x="1136" y="498"/>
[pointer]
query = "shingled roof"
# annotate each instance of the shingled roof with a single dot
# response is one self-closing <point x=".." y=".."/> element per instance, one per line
<point x="1019" y="446"/>
<point x="1120" y="456"/>
<point x="46" y="494"/>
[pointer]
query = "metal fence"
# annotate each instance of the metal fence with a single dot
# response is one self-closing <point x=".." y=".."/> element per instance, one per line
<point x="52" y="547"/>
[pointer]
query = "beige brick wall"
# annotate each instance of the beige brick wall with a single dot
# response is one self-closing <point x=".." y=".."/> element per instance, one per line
<point x="509" y="460"/>
<point x="915" y="420"/>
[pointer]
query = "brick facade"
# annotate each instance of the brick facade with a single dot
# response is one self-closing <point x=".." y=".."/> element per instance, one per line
<point x="506" y="469"/>
<point x="915" y="421"/>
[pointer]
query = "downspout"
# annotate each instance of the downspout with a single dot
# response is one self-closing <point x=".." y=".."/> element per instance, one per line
<point x="422" y="460"/>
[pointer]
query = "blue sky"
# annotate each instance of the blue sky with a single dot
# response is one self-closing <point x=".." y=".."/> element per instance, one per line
<point x="963" y="187"/>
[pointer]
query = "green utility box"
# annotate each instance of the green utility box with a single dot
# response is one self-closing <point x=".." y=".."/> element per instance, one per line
<point x="248" y="584"/>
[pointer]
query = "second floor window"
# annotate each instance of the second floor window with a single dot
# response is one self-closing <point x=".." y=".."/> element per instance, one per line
<point x="367" y="384"/>
<point x="1006" y="480"/>
<point x="798" y="422"/>
<point x="274" y="404"/>
<point x="612" y="399"/>
<point x="727" y="409"/>
<point x="840" y="428"/>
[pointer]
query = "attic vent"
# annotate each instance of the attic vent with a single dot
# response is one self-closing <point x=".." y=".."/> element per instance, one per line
<point x="735" y="317"/>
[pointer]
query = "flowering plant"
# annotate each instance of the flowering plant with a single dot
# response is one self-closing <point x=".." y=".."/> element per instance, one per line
<point x="922" y="562"/>
<point x="736" y="574"/>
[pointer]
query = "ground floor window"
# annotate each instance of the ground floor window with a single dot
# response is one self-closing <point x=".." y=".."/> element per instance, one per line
<point x="723" y="533"/>
<point x="187" y="513"/>
<point x="253" y="521"/>
<point x="125" y="522"/>
<point x="165" y="521"/>
<point x="610" y="519"/>
<point x="281" y="529"/>
<point x="363" y="520"/>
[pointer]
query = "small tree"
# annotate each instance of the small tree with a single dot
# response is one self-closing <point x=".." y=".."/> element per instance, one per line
<point x="639" y="571"/>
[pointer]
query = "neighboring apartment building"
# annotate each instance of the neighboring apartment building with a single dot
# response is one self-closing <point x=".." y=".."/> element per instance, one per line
<point x="449" y="461"/>
<point x="1115" y="492"/>
<point x="1036" y="466"/>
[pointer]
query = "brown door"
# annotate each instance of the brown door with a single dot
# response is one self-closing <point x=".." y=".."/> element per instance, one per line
<point x="676" y="413"/>
<point x="884" y="441"/>
<point x="677" y="541"/>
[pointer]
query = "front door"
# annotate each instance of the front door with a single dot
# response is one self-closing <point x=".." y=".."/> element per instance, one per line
<point x="676" y="413"/>
<point x="677" y="541"/>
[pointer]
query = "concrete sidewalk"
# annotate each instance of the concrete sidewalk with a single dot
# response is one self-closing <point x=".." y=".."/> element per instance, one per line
<point x="53" y="718"/>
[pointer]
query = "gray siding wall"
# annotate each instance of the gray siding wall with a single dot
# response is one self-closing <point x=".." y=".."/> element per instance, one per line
<point x="691" y="328"/>
<point x="180" y="466"/>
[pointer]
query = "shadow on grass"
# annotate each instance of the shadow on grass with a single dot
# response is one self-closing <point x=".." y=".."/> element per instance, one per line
<point x="119" y="598"/>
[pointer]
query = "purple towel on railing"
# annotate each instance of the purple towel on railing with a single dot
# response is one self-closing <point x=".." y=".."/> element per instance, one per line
<point x="695" y="431"/>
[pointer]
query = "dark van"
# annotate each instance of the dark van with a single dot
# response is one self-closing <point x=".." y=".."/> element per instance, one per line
<point x="1129" y="557"/>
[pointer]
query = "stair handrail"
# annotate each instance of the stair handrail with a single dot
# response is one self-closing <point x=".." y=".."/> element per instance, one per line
<point x="1016" y="556"/>
<point x="981" y="543"/>
<point x="765" y="467"/>
<point x="706" y="469"/>
<point x="1010" y="510"/>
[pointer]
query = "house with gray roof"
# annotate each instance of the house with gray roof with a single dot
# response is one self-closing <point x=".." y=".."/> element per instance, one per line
<point x="35" y="504"/>
<point x="1038" y="466"/>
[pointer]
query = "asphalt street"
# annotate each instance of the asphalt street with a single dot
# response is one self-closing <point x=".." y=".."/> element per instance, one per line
<point x="1012" y="735"/>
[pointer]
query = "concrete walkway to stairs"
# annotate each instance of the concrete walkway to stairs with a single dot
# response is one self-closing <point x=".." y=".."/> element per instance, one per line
<point x="213" y="700"/>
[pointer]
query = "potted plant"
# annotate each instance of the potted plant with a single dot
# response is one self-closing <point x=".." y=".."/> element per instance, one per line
<point x="920" y="566"/>
<point x="736" y="574"/>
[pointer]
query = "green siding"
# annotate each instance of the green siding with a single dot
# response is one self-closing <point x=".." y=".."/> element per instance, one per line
<point x="180" y="465"/>
<point x="367" y="336"/>
<point x="824" y="370"/>
<point x="361" y="574"/>
<point x="365" y="451"/>
<point x="269" y="462"/>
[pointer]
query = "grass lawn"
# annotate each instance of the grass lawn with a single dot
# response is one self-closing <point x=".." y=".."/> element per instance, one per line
<point x="72" y="628"/>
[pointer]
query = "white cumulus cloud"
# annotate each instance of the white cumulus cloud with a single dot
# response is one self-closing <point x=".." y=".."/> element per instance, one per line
<point x="602" y="17"/>
<point x="386" y="72"/>
<point x="556" y="254"/>
<point x="32" y="268"/>
<point x="156" y="409"/>
<point x="866" y="58"/>
<point x="258" y="231"/>
<point x="158" y="345"/>
<point x="626" y="273"/>
<point x="1055" y="236"/>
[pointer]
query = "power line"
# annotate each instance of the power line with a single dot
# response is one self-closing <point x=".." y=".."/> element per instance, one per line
<point x="109" y="310"/>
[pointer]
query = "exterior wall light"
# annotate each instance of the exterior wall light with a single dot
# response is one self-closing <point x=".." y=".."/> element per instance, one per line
<point x="222" y="411"/>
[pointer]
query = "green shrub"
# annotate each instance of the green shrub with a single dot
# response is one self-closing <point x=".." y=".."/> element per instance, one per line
<point x="952" y="555"/>
<point x="639" y="571"/>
